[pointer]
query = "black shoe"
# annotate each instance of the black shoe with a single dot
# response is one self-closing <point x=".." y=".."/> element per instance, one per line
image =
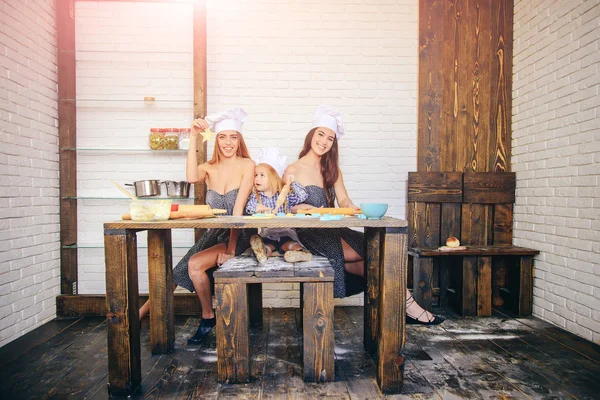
<point x="415" y="321"/>
<point x="436" y="319"/>
<point x="204" y="328"/>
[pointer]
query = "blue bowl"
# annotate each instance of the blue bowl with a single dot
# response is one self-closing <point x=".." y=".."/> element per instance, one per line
<point x="374" y="210"/>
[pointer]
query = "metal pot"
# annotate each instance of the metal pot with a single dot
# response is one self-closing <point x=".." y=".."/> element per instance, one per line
<point x="146" y="188"/>
<point x="177" y="188"/>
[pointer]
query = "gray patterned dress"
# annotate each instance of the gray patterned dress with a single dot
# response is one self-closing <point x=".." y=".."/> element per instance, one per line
<point x="327" y="243"/>
<point x="212" y="237"/>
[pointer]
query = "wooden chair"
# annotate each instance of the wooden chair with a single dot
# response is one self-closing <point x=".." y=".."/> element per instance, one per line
<point x="477" y="208"/>
<point x="238" y="284"/>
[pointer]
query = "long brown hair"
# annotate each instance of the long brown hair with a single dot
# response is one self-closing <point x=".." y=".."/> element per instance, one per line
<point x="242" y="150"/>
<point x="330" y="170"/>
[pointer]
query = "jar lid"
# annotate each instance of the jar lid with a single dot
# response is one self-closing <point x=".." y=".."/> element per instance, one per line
<point x="154" y="129"/>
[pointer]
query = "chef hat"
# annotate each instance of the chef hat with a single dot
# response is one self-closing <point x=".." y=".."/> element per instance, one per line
<point x="328" y="117"/>
<point x="270" y="155"/>
<point x="228" y="120"/>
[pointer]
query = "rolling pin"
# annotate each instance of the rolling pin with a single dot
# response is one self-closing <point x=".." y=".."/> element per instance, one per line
<point x="330" y="210"/>
<point x="281" y="198"/>
<point x="189" y="211"/>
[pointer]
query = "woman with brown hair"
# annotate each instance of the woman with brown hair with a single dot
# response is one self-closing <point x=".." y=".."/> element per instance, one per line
<point x="229" y="177"/>
<point x="317" y="169"/>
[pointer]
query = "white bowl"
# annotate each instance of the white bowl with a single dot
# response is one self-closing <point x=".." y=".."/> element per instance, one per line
<point x="150" y="210"/>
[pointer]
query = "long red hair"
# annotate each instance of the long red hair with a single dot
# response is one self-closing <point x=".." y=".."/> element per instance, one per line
<point x="330" y="170"/>
<point x="242" y="150"/>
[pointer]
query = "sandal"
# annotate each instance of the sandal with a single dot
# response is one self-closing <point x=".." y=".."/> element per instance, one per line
<point x="435" y="320"/>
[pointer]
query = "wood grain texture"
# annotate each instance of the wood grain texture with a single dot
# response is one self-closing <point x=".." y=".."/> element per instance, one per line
<point x="160" y="282"/>
<point x="484" y="286"/>
<point x="435" y="187"/>
<point x="465" y="83"/>
<point x="489" y="187"/>
<point x="123" y="328"/>
<point x="501" y="85"/>
<point x="233" y="352"/>
<point x="430" y="84"/>
<point x="423" y="281"/>
<point x="374" y="245"/>
<point x="67" y="138"/>
<point x="525" y="293"/>
<point x="469" y="287"/>
<point x="502" y="224"/>
<point x="242" y="223"/>
<point x="318" y="332"/>
<point x="200" y="95"/>
<point x="392" y="312"/>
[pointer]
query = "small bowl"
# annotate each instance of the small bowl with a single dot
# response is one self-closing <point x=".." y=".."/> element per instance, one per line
<point x="374" y="210"/>
<point x="150" y="210"/>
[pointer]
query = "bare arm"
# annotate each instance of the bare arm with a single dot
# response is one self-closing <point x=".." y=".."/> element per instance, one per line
<point x="341" y="193"/>
<point x="240" y="201"/>
<point x="195" y="173"/>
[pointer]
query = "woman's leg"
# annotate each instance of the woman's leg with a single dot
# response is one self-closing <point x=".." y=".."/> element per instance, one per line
<point x="354" y="264"/>
<point x="197" y="266"/>
<point x="145" y="309"/>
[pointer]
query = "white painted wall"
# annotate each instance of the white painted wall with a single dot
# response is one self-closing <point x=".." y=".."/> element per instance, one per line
<point x="276" y="59"/>
<point x="556" y="155"/>
<point x="29" y="199"/>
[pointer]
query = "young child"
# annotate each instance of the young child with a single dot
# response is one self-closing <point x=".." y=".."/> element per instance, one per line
<point x="269" y="195"/>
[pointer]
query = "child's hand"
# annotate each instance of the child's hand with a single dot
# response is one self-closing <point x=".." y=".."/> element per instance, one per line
<point x="261" y="208"/>
<point x="199" y="125"/>
<point x="289" y="180"/>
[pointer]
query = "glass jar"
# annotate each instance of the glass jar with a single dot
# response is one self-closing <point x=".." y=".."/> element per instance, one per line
<point x="172" y="139"/>
<point x="184" y="138"/>
<point x="157" y="139"/>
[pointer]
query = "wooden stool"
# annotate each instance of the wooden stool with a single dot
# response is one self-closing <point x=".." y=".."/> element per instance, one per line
<point x="238" y="284"/>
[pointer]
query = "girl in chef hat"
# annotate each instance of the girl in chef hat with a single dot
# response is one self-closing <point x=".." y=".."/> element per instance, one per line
<point x="228" y="177"/>
<point x="270" y="195"/>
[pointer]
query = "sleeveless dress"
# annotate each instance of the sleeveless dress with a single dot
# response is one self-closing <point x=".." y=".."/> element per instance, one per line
<point x="327" y="243"/>
<point x="212" y="237"/>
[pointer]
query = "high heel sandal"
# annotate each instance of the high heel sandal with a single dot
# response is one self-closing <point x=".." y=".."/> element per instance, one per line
<point x="436" y="319"/>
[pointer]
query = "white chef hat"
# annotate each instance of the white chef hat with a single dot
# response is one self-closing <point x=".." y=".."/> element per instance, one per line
<point x="328" y="117"/>
<point x="270" y="155"/>
<point x="232" y="119"/>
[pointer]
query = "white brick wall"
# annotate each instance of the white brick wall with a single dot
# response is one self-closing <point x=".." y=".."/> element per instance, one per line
<point x="276" y="59"/>
<point x="29" y="203"/>
<point x="556" y="155"/>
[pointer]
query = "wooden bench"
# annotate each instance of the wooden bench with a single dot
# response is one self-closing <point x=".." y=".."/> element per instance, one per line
<point x="477" y="208"/>
<point x="238" y="290"/>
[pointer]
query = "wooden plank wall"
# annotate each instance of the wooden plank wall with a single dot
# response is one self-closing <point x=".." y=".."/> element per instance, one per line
<point x="465" y="67"/>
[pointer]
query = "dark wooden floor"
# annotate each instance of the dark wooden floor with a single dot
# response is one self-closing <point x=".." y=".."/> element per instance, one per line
<point x="481" y="358"/>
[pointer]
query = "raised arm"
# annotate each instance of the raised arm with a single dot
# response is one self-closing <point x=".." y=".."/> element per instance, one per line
<point x="195" y="173"/>
<point x="341" y="193"/>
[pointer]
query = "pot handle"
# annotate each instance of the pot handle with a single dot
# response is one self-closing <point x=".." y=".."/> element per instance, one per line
<point x="128" y="184"/>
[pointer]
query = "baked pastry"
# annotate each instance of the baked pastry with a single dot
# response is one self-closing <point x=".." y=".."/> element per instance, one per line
<point x="452" y="242"/>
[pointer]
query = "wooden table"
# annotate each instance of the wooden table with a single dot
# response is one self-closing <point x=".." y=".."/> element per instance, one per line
<point x="385" y="300"/>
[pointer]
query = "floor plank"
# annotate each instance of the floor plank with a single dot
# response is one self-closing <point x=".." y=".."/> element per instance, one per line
<point x="464" y="358"/>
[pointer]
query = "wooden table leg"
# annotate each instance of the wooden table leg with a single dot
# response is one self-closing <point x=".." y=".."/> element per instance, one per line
<point x="469" y="287"/>
<point x="160" y="279"/>
<point x="423" y="281"/>
<point x="484" y="286"/>
<point x="373" y="252"/>
<point x="233" y="349"/>
<point x="525" y="285"/>
<point x="318" y="332"/>
<point x="255" y="304"/>
<point x="392" y="311"/>
<point x="122" y="304"/>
